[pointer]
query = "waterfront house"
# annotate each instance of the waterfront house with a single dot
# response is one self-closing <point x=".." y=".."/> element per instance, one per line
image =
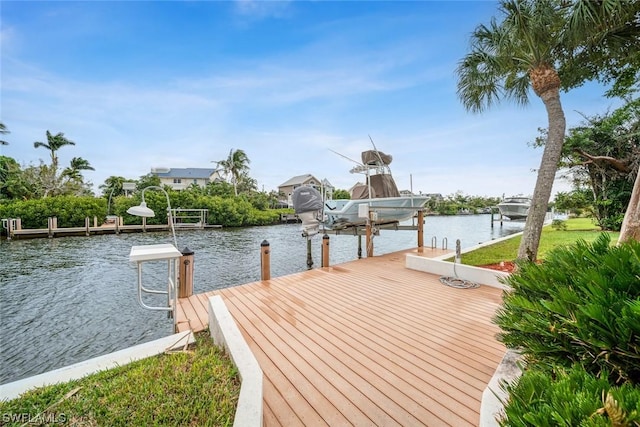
<point x="286" y="188"/>
<point x="181" y="178"/>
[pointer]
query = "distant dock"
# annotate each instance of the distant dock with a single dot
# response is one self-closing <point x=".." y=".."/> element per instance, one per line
<point x="289" y="218"/>
<point x="13" y="228"/>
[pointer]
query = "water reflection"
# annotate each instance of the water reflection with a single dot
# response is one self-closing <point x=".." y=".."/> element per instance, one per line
<point x="64" y="300"/>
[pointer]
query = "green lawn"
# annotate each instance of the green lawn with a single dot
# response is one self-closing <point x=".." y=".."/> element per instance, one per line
<point x="507" y="250"/>
<point x="195" y="387"/>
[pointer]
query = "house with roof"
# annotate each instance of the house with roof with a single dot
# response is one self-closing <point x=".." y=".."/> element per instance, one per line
<point x="286" y="188"/>
<point x="181" y="178"/>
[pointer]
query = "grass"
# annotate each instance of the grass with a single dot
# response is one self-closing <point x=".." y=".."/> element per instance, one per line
<point x="507" y="250"/>
<point x="196" y="387"/>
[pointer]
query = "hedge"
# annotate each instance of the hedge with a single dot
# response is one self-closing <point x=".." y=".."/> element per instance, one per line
<point x="71" y="211"/>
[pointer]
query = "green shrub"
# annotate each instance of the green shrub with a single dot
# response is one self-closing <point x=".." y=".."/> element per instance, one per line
<point x="558" y="224"/>
<point x="570" y="397"/>
<point x="71" y="211"/>
<point x="582" y="305"/>
<point x="613" y="222"/>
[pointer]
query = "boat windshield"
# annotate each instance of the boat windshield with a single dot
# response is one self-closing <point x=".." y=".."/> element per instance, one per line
<point x="523" y="200"/>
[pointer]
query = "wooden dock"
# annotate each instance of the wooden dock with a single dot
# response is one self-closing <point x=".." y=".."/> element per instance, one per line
<point x="14" y="230"/>
<point x="368" y="342"/>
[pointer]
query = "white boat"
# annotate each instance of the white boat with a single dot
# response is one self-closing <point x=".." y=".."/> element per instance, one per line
<point x="515" y="208"/>
<point x="348" y="213"/>
<point x="385" y="207"/>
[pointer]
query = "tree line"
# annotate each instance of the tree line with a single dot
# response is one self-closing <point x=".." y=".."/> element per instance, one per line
<point x="34" y="193"/>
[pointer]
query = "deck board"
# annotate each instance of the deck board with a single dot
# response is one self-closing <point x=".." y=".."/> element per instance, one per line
<point x="367" y="342"/>
<point x="342" y="354"/>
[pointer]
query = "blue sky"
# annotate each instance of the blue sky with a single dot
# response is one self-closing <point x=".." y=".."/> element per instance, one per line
<point x="146" y="84"/>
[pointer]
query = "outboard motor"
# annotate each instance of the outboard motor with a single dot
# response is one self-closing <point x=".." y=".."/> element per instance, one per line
<point x="308" y="204"/>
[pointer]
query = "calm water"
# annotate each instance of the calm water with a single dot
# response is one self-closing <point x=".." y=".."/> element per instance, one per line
<point x="65" y="300"/>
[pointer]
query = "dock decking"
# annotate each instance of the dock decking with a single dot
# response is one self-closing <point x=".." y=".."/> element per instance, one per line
<point x="368" y="342"/>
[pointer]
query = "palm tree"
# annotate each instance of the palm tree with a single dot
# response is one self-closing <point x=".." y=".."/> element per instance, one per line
<point x="54" y="143"/>
<point x="631" y="223"/>
<point x="526" y="50"/>
<point x="112" y="186"/>
<point x="234" y="167"/>
<point x="77" y="164"/>
<point x="3" y="131"/>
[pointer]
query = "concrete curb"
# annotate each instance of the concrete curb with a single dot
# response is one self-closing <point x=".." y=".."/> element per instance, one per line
<point x="446" y="268"/>
<point x="491" y="405"/>
<point x="79" y="370"/>
<point x="225" y="333"/>
<point x="480" y="245"/>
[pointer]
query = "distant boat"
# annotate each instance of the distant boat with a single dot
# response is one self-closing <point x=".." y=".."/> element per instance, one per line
<point x="379" y="195"/>
<point x="515" y="208"/>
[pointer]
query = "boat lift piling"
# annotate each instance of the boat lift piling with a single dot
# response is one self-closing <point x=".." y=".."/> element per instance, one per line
<point x="493" y="220"/>
<point x="309" y="257"/>
<point x="420" y="230"/>
<point x="369" y="235"/>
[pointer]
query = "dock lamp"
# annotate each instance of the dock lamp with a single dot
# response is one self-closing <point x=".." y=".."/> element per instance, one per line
<point x="143" y="211"/>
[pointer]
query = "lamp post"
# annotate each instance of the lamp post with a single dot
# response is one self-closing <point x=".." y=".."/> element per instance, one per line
<point x="143" y="211"/>
<point x="109" y="203"/>
<point x="109" y="216"/>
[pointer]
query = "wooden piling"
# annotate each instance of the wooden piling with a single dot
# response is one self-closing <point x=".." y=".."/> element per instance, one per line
<point x="309" y="256"/>
<point x="369" y="240"/>
<point x="420" y="230"/>
<point x="265" y="261"/>
<point x="499" y="216"/>
<point x="185" y="275"/>
<point x="86" y="226"/>
<point x="325" y="250"/>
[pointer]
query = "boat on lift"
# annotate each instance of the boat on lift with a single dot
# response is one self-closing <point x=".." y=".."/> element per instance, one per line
<point x="515" y="207"/>
<point x="377" y="200"/>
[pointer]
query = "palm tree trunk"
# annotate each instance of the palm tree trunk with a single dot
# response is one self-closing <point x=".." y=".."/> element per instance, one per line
<point x="631" y="223"/>
<point x="546" y="175"/>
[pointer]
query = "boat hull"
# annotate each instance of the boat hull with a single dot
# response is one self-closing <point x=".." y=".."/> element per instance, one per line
<point x="515" y="209"/>
<point x="347" y="213"/>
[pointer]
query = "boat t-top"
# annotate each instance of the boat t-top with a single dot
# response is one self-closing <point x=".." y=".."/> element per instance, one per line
<point x="377" y="200"/>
